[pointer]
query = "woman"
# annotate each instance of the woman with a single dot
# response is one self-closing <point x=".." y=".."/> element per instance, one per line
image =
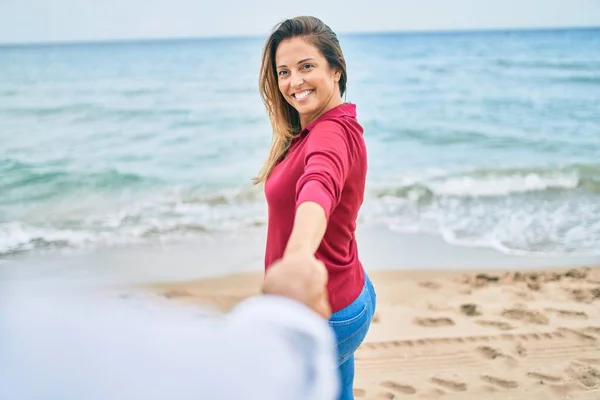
<point x="315" y="174"/>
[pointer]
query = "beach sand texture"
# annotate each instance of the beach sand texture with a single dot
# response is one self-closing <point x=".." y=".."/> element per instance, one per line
<point x="463" y="334"/>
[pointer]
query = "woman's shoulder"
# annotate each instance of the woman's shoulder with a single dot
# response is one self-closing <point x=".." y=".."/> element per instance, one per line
<point x="345" y="126"/>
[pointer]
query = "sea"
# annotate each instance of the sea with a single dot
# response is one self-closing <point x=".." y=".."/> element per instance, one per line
<point x="483" y="138"/>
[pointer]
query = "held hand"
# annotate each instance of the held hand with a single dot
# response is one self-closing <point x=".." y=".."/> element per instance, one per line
<point x="301" y="277"/>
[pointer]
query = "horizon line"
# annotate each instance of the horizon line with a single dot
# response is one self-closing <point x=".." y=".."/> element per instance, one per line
<point x="257" y="36"/>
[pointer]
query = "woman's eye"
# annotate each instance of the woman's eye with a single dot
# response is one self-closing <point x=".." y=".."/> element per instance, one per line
<point x="281" y="73"/>
<point x="308" y="66"/>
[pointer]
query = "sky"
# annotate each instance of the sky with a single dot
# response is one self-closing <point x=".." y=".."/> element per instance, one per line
<point x="23" y="21"/>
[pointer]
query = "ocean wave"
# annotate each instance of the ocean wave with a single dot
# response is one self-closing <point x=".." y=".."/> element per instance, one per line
<point x="26" y="181"/>
<point x="434" y="137"/>
<point x="499" y="182"/>
<point x="142" y="92"/>
<point x="8" y="93"/>
<point x="585" y="79"/>
<point x="563" y="65"/>
<point x="86" y="112"/>
<point x="526" y="211"/>
<point x="190" y="123"/>
<point x="532" y="240"/>
<point x="168" y="214"/>
<point x="225" y="196"/>
<point x="134" y="113"/>
<point x="42" y="111"/>
<point x="490" y="138"/>
<point x="18" y="237"/>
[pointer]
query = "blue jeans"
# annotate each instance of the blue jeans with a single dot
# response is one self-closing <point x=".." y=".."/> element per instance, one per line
<point x="350" y="326"/>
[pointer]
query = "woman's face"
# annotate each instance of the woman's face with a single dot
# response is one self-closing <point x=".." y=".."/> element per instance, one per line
<point x="305" y="79"/>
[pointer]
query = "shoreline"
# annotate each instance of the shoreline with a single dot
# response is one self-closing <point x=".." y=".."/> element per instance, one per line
<point x="212" y="256"/>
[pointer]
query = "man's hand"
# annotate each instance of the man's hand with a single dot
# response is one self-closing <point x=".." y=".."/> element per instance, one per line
<point x="300" y="277"/>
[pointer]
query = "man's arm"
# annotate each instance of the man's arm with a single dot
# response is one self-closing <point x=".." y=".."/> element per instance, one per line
<point x="293" y="341"/>
<point x="73" y="345"/>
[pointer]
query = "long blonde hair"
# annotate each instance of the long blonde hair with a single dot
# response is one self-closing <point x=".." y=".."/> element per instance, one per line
<point x="285" y="120"/>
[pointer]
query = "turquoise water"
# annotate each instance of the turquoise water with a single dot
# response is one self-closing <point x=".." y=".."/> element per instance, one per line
<point x="486" y="138"/>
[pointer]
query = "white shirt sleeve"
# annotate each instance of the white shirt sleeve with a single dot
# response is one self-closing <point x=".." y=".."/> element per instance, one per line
<point x="307" y="351"/>
<point x="267" y="348"/>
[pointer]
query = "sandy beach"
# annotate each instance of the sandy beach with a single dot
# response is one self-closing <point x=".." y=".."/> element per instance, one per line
<point x="452" y="322"/>
<point x="462" y="334"/>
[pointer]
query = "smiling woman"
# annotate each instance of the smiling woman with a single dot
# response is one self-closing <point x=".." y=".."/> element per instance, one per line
<point x="315" y="174"/>
<point x="310" y="85"/>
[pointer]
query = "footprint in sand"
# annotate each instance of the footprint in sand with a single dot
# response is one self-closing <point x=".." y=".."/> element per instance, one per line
<point x="580" y="335"/>
<point x="503" y="383"/>
<point x="577" y="273"/>
<point x="434" y="322"/>
<point x="503" y="326"/>
<point x="359" y="392"/>
<point x="586" y="374"/>
<point x="492" y="354"/>
<point x="398" y="387"/>
<point x="542" y="377"/>
<point x="567" y="313"/>
<point x="439" y="307"/>
<point x="521" y="295"/>
<point x="487" y="278"/>
<point x="584" y="295"/>
<point x="450" y="384"/>
<point x="430" y="285"/>
<point x="470" y="310"/>
<point x="593" y="330"/>
<point x="489" y="352"/>
<point x="530" y="316"/>
<point x="520" y="349"/>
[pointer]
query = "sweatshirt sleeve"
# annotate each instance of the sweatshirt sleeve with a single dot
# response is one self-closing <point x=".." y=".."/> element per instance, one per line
<point x="329" y="154"/>
<point x="292" y="339"/>
<point x="73" y="346"/>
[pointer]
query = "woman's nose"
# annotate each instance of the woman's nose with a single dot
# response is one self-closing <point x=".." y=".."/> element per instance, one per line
<point x="297" y="80"/>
